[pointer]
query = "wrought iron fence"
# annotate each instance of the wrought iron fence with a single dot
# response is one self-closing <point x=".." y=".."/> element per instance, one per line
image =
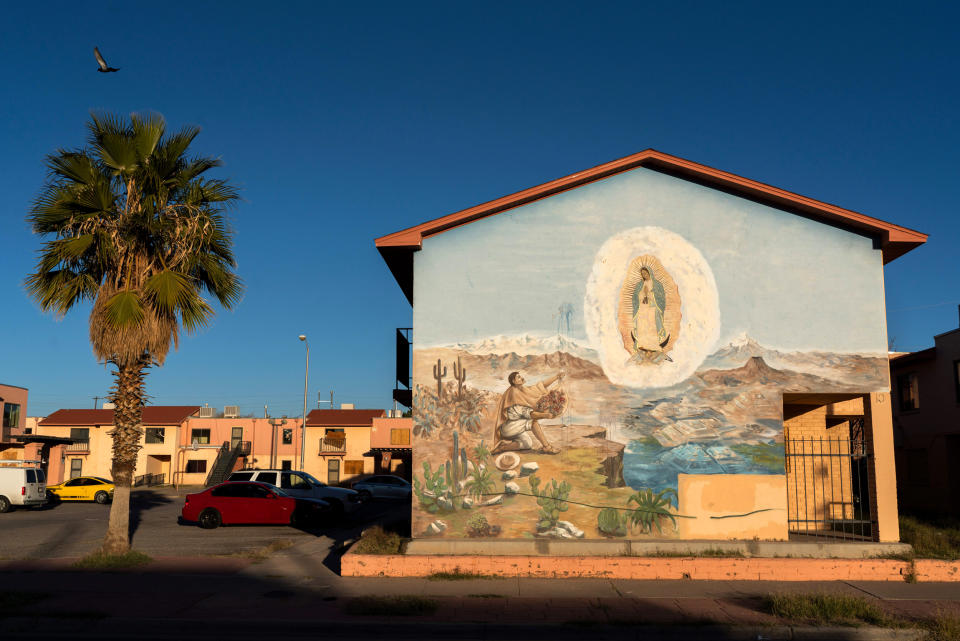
<point x="828" y="486"/>
<point x="149" y="479"/>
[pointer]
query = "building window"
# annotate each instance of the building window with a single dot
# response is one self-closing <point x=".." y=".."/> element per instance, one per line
<point x="80" y="434"/>
<point x="399" y="436"/>
<point x="286" y="464"/>
<point x="76" y="467"/>
<point x="352" y="467"/>
<point x="287" y="436"/>
<point x="201" y="437"/>
<point x="956" y="379"/>
<point x="333" y="471"/>
<point x="195" y="466"/>
<point x="11" y="415"/>
<point x="154" y="435"/>
<point x="236" y="435"/>
<point x="909" y="387"/>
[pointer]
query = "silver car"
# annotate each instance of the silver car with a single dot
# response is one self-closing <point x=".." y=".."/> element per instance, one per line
<point x="383" y="486"/>
<point x="303" y="485"/>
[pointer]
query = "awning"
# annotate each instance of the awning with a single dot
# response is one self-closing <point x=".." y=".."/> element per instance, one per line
<point x="45" y="440"/>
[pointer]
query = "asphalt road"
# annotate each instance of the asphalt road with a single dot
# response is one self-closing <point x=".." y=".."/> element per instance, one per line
<point x="74" y="529"/>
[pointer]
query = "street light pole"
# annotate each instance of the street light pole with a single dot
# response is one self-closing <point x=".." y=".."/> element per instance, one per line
<point x="303" y="429"/>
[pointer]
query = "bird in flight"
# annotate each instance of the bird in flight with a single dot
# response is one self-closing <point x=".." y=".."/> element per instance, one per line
<point x="104" y="67"/>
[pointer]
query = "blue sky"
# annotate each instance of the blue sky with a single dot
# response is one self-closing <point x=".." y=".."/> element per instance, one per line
<point x="343" y="122"/>
<point x="789" y="282"/>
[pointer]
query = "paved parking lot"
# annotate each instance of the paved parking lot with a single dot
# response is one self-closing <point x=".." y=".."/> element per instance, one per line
<point x="77" y="529"/>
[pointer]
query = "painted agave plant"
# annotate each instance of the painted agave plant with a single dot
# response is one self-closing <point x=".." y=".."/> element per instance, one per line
<point x="652" y="509"/>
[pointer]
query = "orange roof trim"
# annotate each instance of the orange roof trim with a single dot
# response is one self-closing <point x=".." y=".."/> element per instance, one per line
<point x="894" y="239"/>
<point x="152" y="415"/>
<point x="343" y="418"/>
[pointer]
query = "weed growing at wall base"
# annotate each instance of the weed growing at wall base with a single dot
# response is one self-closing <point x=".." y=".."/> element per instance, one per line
<point x="103" y="561"/>
<point x="826" y="609"/>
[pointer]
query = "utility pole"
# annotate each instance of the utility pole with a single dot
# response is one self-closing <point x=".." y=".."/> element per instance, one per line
<point x="96" y="400"/>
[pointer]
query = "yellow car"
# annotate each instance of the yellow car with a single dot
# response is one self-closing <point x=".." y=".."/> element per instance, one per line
<point x="82" y="488"/>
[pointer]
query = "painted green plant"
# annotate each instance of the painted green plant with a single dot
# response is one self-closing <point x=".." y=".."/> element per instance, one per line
<point x="434" y="489"/>
<point x="611" y="523"/>
<point x="481" y="453"/>
<point x="482" y="481"/>
<point x="424" y="412"/>
<point x="552" y="500"/>
<point x="652" y="509"/>
<point x="477" y="525"/>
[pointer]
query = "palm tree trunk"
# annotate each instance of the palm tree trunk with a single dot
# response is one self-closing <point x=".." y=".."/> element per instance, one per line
<point x="128" y="395"/>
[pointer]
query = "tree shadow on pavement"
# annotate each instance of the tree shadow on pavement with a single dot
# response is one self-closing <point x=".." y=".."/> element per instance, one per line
<point x="143" y="501"/>
<point x="393" y="517"/>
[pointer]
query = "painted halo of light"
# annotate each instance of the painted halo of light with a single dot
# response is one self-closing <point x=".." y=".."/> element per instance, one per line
<point x="700" y="309"/>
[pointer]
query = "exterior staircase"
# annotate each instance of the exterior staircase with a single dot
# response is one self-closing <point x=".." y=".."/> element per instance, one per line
<point x="226" y="460"/>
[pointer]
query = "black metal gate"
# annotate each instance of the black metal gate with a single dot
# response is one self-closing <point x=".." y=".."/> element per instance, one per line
<point x="828" y="486"/>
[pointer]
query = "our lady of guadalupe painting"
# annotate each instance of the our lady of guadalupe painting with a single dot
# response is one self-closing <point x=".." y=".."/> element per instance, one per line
<point x="649" y="314"/>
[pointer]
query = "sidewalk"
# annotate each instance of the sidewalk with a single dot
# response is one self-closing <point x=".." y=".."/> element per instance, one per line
<point x="295" y="595"/>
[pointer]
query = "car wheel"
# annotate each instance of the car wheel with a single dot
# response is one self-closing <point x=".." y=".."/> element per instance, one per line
<point x="53" y="498"/>
<point x="4" y="504"/>
<point x="365" y="495"/>
<point x="101" y="497"/>
<point x="210" y="519"/>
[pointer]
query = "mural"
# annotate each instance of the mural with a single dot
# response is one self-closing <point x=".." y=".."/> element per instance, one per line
<point x="582" y="422"/>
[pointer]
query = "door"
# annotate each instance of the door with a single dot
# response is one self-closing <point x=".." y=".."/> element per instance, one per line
<point x="34" y="489"/>
<point x="263" y="506"/>
<point x="76" y="466"/>
<point x="236" y="435"/>
<point x="295" y="485"/>
<point x="71" y="489"/>
<point x="227" y="500"/>
<point x="333" y="471"/>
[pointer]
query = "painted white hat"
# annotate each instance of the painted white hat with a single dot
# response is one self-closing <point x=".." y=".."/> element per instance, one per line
<point x="507" y="461"/>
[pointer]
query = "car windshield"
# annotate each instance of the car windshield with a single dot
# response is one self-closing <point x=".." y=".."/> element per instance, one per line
<point x="278" y="491"/>
<point x="313" y="480"/>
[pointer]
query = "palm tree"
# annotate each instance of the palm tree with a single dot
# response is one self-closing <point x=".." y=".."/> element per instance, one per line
<point x="132" y="225"/>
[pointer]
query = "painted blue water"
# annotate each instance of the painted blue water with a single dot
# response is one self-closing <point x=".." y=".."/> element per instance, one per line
<point x="647" y="464"/>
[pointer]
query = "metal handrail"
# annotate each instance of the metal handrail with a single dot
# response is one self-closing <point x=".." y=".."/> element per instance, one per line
<point x="334" y="445"/>
<point x="78" y="446"/>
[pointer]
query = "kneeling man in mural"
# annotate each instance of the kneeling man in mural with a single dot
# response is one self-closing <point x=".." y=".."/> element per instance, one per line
<point x="516" y="419"/>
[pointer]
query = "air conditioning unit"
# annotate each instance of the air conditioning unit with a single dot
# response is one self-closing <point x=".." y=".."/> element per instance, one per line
<point x="109" y="406"/>
<point x="205" y="412"/>
<point x="346" y="406"/>
<point x="231" y="411"/>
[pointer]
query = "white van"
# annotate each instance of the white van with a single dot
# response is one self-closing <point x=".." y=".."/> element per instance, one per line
<point x="21" y="483"/>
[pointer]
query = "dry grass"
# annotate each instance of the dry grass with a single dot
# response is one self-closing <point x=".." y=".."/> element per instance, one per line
<point x="100" y="561"/>
<point x="376" y="540"/>
<point x="264" y="552"/>
<point x="459" y="575"/>
<point x="944" y="627"/>
<point x="827" y="609"/>
<point x="931" y="539"/>
<point x="407" y="605"/>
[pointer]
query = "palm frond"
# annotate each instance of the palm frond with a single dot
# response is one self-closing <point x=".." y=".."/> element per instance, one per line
<point x="147" y="131"/>
<point x="134" y="225"/>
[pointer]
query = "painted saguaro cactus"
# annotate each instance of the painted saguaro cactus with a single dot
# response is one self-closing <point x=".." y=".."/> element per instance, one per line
<point x="438" y="374"/>
<point x="460" y="375"/>
<point x="457" y="465"/>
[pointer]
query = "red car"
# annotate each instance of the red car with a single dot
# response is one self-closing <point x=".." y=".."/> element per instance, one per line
<point x="250" y="503"/>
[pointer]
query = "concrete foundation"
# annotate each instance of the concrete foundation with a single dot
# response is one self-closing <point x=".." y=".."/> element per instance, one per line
<point x="548" y="547"/>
